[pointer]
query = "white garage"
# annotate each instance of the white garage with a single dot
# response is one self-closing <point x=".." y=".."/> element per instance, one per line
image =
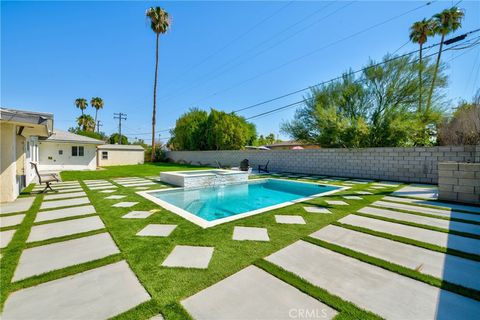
<point x="115" y="154"/>
<point x="64" y="150"/>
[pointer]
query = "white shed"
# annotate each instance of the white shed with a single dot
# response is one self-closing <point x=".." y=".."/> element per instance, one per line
<point x="64" y="150"/>
<point x="120" y="154"/>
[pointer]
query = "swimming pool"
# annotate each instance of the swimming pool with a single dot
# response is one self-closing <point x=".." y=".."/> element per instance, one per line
<point x="211" y="206"/>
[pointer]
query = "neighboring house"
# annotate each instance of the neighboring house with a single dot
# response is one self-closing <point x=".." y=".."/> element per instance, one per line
<point x="120" y="154"/>
<point x="64" y="150"/>
<point x="19" y="132"/>
<point x="288" y="145"/>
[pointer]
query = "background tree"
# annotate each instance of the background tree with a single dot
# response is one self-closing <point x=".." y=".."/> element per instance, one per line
<point x="96" y="103"/>
<point x="445" y="22"/>
<point x="463" y="127"/>
<point x="86" y="123"/>
<point x="114" y="139"/>
<point x="81" y="104"/>
<point x="90" y="134"/>
<point x="378" y="108"/>
<point x="419" y="33"/>
<point x="159" y="23"/>
<point x="218" y="130"/>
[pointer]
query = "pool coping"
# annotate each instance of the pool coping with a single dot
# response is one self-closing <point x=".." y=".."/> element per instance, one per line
<point x="207" y="224"/>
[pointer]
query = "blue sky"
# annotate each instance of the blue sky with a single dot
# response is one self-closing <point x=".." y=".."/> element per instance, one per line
<point x="224" y="55"/>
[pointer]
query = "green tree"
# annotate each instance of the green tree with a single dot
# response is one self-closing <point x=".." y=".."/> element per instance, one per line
<point x="86" y="123"/>
<point x="189" y="131"/>
<point x="376" y="108"/>
<point x="96" y="103"/>
<point x="445" y="22"/>
<point x="90" y="134"/>
<point x="81" y="104"/>
<point x="419" y="33"/>
<point x="159" y="23"/>
<point x="114" y="139"/>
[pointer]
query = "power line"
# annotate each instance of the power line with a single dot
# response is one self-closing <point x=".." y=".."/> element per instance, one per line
<point x="258" y="45"/>
<point x="322" y="48"/>
<point x="290" y="105"/>
<point x="120" y="116"/>
<point x="337" y="78"/>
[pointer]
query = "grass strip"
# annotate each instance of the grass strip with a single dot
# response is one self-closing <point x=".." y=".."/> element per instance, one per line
<point x="404" y="271"/>
<point x="419" y="225"/>
<point x="412" y="242"/>
<point x="318" y="293"/>
<point x="432" y="215"/>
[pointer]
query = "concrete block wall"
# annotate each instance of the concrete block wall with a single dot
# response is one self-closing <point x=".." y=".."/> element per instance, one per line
<point x="418" y="165"/>
<point x="459" y="182"/>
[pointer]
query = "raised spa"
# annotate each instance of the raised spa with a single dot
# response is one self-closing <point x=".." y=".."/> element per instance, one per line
<point x="203" y="178"/>
<point x="210" y="206"/>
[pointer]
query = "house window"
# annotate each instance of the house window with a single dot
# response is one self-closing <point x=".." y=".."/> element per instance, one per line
<point x="104" y="155"/>
<point x="60" y="152"/>
<point x="77" y="151"/>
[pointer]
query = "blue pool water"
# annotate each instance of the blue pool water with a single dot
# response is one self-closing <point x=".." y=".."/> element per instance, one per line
<point x="212" y="203"/>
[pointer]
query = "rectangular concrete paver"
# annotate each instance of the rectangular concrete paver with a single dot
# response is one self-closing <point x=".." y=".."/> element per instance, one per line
<point x="64" y="195"/>
<point x="64" y="213"/>
<point x="99" y="293"/>
<point x="103" y="187"/>
<point x="64" y="228"/>
<point x="19" y="205"/>
<point x="441" y="239"/>
<point x="189" y="257"/>
<point x="254" y="294"/>
<point x="149" y="183"/>
<point x="11" y="220"/>
<point x="126" y="204"/>
<point x="433" y="211"/>
<point x="63" y="254"/>
<point x="434" y="222"/>
<point x="336" y="202"/>
<point x="67" y="191"/>
<point x="454" y="269"/>
<point x="250" y="233"/>
<point x="441" y="205"/>
<point x="385" y="293"/>
<point x="157" y="230"/>
<point x="352" y="197"/>
<point x="418" y="191"/>
<point x="64" y="203"/>
<point x="289" y="219"/>
<point x="6" y="237"/>
<point x="317" y="210"/>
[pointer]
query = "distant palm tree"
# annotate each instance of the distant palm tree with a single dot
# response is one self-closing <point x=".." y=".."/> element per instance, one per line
<point x="97" y="103"/>
<point x="159" y="22"/>
<point x="419" y="33"/>
<point x="445" y="22"/>
<point x="81" y="104"/>
<point x="86" y="122"/>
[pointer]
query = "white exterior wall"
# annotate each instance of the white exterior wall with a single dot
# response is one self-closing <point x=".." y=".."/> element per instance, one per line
<point x="8" y="182"/>
<point x="50" y="158"/>
<point x="120" y="157"/>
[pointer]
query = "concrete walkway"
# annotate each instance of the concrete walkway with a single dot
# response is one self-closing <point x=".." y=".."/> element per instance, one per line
<point x="253" y="294"/>
<point x="454" y="269"/>
<point x="438" y="204"/>
<point x="19" y="205"/>
<point x="385" y="293"/>
<point x="423" y="191"/>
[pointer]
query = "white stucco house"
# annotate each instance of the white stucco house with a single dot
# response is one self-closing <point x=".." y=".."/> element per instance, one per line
<point x="115" y="154"/>
<point x="64" y="150"/>
<point x="19" y="134"/>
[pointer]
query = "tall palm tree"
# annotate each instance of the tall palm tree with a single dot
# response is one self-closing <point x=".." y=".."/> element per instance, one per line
<point x="97" y="103"/>
<point x="159" y="22"/>
<point x="419" y="33"/>
<point x="81" y="104"/>
<point x="445" y="22"/>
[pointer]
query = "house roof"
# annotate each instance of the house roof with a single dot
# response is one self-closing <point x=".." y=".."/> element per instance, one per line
<point x="65" y="137"/>
<point x="39" y="121"/>
<point x="287" y="143"/>
<point x="134" y="147"/>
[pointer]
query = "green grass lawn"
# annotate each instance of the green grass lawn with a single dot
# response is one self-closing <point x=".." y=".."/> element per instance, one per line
<point x="168" y="286"/>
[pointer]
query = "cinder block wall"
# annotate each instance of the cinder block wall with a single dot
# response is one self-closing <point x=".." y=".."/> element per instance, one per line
<point x="459" y="182"/>
<point x="399" y="164"/>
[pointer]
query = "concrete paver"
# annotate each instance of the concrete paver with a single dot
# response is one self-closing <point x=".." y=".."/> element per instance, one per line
<point x="19" y="205"/>
<point x="64" y="228"/>
<point x="289" y="219"/>
<point x="157" y="230"/>
<point x="250" y="233"/>
<point x="64" y="213"/>
<point x="9" y="221"/>
<point x="189" y="257"/>
<point x="64" y="203"/>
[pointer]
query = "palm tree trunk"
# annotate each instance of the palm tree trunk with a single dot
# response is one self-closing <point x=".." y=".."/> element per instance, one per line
<point x="420" y="80"/>
<point x="154" y="101"/>
<point x="95" y="124"/>
<point x="434" y="75"/>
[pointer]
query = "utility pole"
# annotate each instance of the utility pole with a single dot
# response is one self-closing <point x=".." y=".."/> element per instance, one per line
<point x="120" y="116"/>
<point x="99" y="124"/>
